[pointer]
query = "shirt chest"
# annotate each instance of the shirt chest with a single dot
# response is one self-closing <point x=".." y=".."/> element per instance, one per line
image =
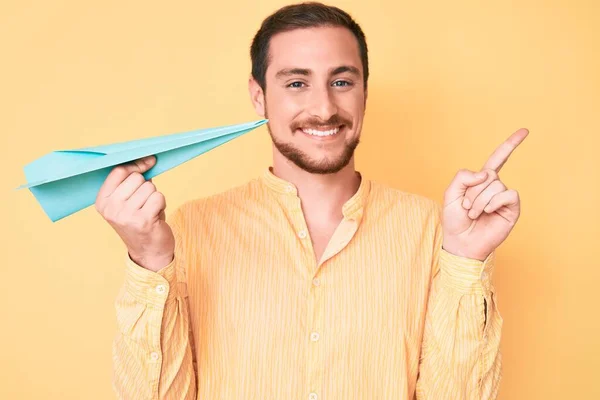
<point x="272" y="284"/>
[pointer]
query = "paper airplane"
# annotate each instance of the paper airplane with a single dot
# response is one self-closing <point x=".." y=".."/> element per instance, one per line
<point x="66" y="181"/>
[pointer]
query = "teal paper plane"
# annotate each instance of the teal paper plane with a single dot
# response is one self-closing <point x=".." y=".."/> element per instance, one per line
<point x="66" y="181"/>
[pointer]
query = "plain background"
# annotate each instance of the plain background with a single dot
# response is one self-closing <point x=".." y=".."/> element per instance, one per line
<point x="450" y="81"/>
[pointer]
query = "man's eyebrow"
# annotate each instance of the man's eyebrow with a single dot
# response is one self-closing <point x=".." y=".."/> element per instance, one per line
<point x="287" y="72"/>
<point x="346" y="68"/>
<point x="284" y="73"/>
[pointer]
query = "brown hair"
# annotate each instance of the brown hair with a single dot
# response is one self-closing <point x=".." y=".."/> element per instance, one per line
<point x="298" y="16"/>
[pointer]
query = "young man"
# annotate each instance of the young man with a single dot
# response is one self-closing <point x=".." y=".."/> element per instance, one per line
<point x="310" y="282"/>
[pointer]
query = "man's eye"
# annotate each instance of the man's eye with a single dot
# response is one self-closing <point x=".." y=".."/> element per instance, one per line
<point x="296" y="84"/>
<point x="342" y="83"/>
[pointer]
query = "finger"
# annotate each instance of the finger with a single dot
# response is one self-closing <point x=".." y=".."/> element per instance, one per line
<point x="509" y="198"/>
<point x="121" y="172"/>
<point x="463" y="180"/>
<point x="500" y="156"/>
<point x="154" y="205"/>
<point x="474" y="191"/>
<point x="484" y="198"/>
<point x="128" y="187"/>
<point x="141" y="195"/>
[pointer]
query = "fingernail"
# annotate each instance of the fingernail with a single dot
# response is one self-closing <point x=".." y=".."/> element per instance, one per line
<point x="472" y="214"/>
<point x="482" y="175"/>
<point x="487" y="209"/>
<point x="466" y="203"/>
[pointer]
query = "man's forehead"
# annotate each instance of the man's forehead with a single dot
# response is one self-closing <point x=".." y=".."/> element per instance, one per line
<point x="314" y="48"/>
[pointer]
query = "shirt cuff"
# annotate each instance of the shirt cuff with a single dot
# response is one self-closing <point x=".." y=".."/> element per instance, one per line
<point x="466" y="275"/>
<point x="149" y="287"/>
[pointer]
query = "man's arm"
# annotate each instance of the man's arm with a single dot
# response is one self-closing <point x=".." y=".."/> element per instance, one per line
<point x="153" y="355"/>
<point x="460" y="355"/>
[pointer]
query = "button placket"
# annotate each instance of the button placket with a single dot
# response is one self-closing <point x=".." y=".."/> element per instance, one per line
<point x="298" y="223"/>
<point x="315" y="366"/>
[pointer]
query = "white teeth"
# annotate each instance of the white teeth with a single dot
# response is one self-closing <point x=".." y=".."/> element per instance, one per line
<point x="315" y="132"/>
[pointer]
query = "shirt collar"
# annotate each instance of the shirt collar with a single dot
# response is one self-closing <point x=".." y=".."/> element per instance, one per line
<point x="352" y="209"/>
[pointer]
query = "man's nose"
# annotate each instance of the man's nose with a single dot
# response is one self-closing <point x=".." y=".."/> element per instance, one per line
<point x="323" y="104"/>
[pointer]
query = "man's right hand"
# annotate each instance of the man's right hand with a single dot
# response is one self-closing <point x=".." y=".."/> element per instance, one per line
<point x="136" y="211"/>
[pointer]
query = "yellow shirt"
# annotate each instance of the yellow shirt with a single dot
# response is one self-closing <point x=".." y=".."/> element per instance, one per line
<point x="245" y="311"/>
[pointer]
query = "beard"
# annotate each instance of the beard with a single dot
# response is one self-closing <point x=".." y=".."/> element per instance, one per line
<point x="309" y="164"/>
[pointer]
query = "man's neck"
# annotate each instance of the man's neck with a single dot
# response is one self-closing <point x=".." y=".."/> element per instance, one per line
<point x="322" y="195"/>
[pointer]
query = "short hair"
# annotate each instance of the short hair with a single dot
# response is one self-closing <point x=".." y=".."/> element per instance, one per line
<point x="298" y="16"/>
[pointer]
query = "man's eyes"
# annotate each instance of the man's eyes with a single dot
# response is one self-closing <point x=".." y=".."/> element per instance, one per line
<point x="340" y="83"/>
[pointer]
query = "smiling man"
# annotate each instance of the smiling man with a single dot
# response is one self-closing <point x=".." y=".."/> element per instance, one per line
<point x="311" y="281"/>
<point x="316" y="105"/>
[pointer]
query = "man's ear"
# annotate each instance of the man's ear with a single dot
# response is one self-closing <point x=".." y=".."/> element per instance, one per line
<point x="366" y="95"/>
<point x="257" y="96"/>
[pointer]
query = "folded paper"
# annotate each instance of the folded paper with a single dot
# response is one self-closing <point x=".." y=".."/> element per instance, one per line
<point x="66" y="181"/>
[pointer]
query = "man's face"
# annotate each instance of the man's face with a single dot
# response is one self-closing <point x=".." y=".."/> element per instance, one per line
<point x="315" y="97"/>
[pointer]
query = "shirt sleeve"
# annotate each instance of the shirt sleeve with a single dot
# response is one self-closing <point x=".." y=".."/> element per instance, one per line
<point x="153" y="348"/>
<point x="460" y="354"/>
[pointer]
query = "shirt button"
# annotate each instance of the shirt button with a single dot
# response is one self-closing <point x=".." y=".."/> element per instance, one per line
<point x="289" y="188"/>
<point x="154" y="356"/>
<point x="160" y="289"/>
<point x="314" y="336"/>
<point x="313" y="396"/>
<point x="302" y="234"/>
<point x="316" y="282"/>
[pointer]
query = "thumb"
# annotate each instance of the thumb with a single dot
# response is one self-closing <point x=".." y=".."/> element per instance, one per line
<point x="463" y="180"/>
<point x="140" y="165"/>
<point x="144" y="164"/>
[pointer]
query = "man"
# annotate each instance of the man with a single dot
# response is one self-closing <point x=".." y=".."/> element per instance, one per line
<point x="310" y="282"/>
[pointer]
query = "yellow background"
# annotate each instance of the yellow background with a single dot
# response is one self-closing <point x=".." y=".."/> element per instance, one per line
<point x="450" y="81"/>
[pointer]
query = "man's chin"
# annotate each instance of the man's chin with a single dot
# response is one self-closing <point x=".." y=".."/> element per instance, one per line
<point x="324" y="167"/>
<point x="322" y="170"/>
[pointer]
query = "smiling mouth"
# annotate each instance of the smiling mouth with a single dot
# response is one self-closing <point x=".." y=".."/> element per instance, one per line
<point x="322" y="133"/>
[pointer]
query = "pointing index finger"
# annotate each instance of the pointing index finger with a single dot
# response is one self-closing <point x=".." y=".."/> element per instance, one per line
<point x="501" y="154"/>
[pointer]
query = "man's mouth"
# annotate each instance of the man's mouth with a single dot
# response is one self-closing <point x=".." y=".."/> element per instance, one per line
<point x="322" y="132"/>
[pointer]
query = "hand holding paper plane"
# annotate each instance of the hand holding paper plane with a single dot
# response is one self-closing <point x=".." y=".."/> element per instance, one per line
<point x="66" y="181"/>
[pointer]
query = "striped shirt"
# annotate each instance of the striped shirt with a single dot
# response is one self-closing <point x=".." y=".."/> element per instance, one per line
<point x="245" y="311"/>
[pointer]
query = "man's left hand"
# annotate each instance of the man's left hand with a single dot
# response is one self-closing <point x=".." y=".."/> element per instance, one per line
<point x="479" y="211"/>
